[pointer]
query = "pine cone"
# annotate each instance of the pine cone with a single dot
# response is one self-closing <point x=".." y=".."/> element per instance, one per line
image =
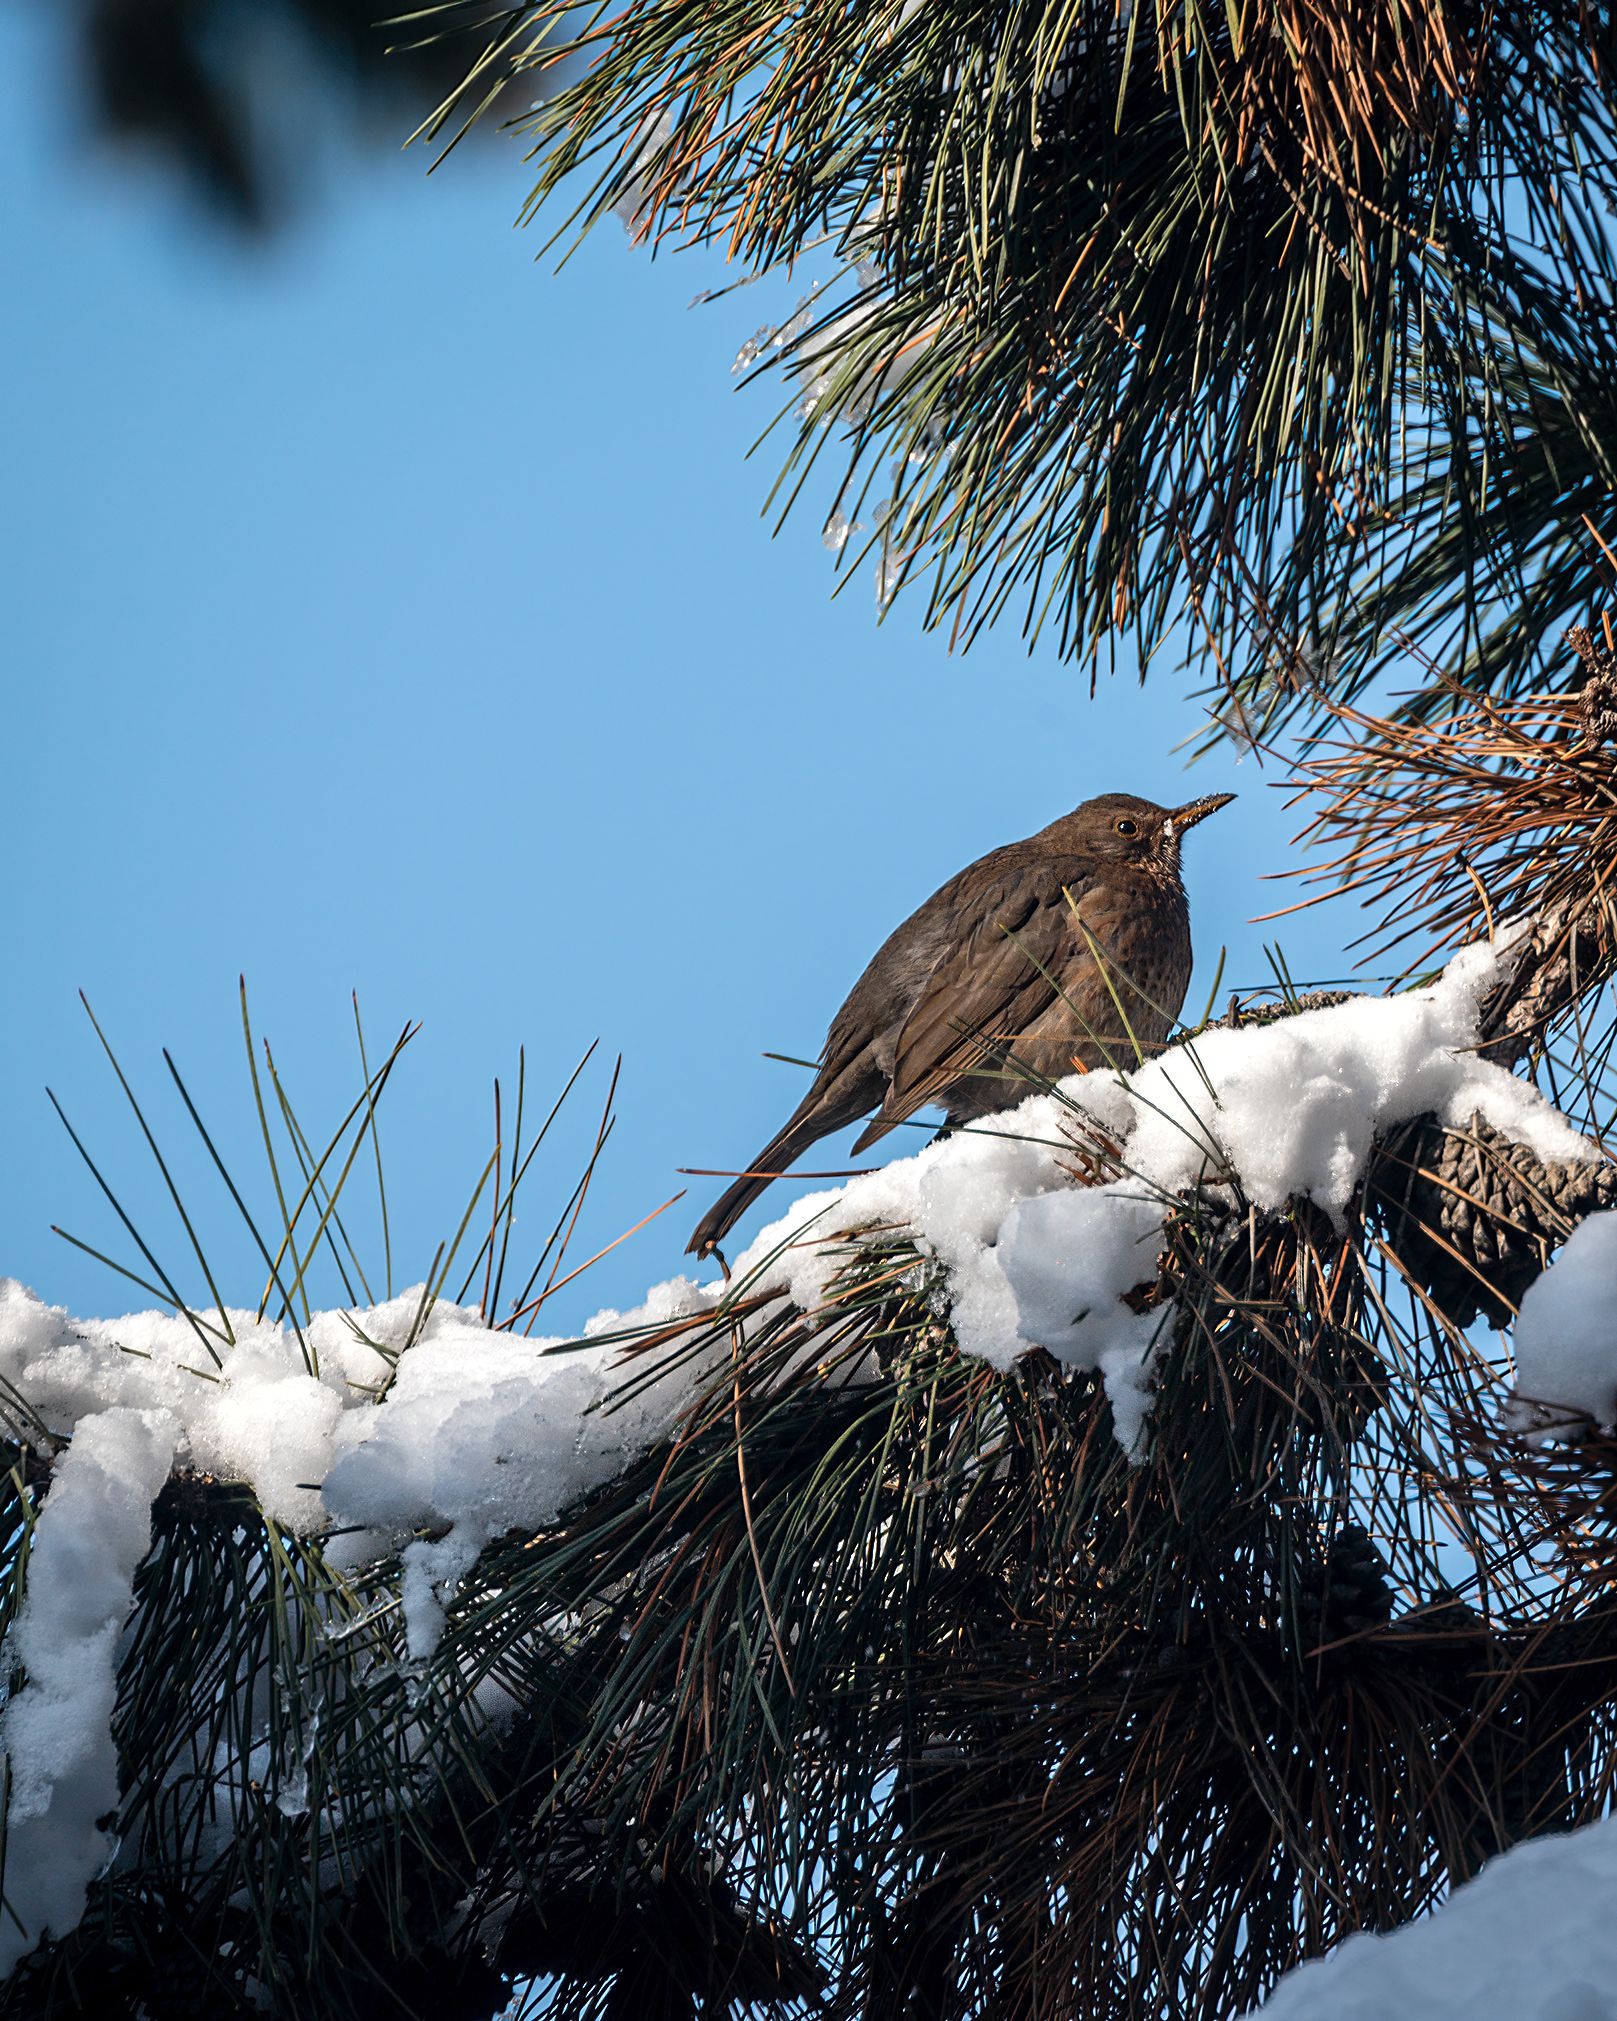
<point x="1598" y="697"/>
<point x="1474" y="1218"/>
<point x="1357" y="1595"/>
<point x="1344" y="1591"/>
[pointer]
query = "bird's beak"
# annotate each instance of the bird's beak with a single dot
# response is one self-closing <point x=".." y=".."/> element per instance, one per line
<point x="1198" y="810"/>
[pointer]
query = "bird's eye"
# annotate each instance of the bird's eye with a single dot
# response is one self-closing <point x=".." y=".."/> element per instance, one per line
<point x="1128" y="827"/>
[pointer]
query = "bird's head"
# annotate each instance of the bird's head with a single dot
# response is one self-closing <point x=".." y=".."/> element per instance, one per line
<point x="1123" y="828"/>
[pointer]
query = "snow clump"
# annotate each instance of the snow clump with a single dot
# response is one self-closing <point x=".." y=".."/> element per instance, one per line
<point x="478" y="1432"/>
<point x="390" y="1426"/>
<point x="1532" y="1937"/>
<point x="1566" y="1332"/>
<point x="57" y="1730"/>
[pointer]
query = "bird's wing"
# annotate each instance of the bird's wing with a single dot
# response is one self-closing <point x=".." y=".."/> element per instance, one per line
<point x="989" y="988"/>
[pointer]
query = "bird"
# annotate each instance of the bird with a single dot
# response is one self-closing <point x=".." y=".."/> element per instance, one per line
<point x="1068" y="950"/>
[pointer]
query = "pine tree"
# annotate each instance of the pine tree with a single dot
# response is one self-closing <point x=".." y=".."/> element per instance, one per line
<point x="888" y="1681"/>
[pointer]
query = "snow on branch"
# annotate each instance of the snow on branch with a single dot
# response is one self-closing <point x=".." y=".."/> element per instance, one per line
<point x="414" y="1432"/>
<point x="1533" y="1934"/>
<point x="62" y="1770"/>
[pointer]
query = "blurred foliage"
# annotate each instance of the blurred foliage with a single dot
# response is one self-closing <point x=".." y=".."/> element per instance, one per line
<point x="232" y="94"/>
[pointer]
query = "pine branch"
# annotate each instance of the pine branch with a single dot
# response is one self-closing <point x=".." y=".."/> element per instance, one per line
<point x="1146" y="312"/>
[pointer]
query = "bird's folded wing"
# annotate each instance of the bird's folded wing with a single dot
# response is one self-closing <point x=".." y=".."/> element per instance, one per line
<point x="985" y="992"/>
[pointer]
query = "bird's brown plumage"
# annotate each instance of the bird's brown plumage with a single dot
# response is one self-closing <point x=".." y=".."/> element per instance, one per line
<point x="994" y="985"/>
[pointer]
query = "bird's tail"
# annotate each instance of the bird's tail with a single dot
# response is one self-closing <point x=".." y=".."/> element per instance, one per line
<point x="816" y="1116"/>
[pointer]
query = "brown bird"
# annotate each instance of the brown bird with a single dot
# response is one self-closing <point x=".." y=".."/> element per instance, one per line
<point x="993" y="987"/>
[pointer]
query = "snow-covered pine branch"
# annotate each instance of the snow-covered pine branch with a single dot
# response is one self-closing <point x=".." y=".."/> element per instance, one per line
<point x="411" y="1437"/>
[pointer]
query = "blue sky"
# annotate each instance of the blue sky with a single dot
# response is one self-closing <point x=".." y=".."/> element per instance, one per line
<point x="388" y="612"/>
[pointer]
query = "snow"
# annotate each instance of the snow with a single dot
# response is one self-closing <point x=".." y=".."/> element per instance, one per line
<point x="643" y="154"/>
<point x="428" y="1437"/>
<point x="92" y="1533"/>
<point x="824" y="354"/>
<point x="480" y="1432"/>
<point x="1566" y="1332"/>
<point x="484" y="1433"/>
<point x="1296" y="1105"/>
<point x="1070" y="1258"/>
<point x="1532" y="1937"/>
<point x="479" y="1429"/>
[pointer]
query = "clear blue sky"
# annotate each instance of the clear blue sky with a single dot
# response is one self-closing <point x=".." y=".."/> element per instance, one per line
<point x="385" y="611"/>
